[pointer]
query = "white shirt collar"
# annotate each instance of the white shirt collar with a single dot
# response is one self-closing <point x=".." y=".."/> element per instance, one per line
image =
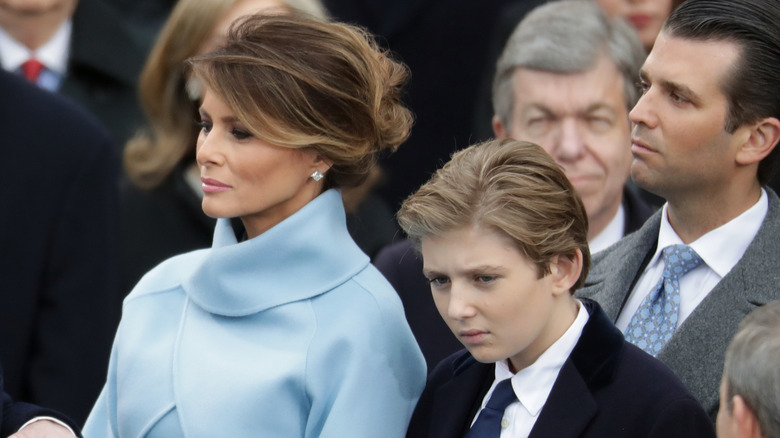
<point x="722" y="247"/>
<point x="53" y="54"/>
<point x="533" y="384"/>
<point x="614" y="231"/>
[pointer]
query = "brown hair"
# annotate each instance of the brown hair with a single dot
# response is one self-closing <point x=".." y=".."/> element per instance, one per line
<point x="510" y="186"/>
<point x="295" y="81"/>
<point x="171" y="136"/>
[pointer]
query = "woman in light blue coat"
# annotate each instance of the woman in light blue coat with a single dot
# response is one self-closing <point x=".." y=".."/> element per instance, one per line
<point x="283" y="328"/>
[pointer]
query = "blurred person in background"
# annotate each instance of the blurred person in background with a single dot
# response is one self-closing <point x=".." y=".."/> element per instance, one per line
<point x="82" y="49"/>
<point x="644" y="16"/>
<point x="58" y="228"/>
<point x="750" y="387"/>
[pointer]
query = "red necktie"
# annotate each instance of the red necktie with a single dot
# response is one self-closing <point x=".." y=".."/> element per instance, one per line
<point x="31" y="69"/>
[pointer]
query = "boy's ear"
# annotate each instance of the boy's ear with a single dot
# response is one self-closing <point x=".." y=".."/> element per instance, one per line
<point x="565" y="271"/>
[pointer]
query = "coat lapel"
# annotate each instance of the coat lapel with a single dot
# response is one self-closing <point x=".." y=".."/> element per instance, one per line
<point x="457" y="401"/>
<point x="568" y="409"/>
<point x="592" y="364"/>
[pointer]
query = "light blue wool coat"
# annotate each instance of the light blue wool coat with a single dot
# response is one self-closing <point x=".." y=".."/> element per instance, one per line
<point x="290" y="334"/>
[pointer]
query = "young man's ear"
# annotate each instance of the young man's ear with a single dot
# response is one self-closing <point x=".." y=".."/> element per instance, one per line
<point x="762" y="138"/>
<point x="746" y="422"/>
<point x="565" y="271"/>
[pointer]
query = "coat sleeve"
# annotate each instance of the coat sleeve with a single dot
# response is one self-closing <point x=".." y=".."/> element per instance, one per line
<point x="364" y="370"/>
<point x="15" y="414"/>
<point x="80" y="306"/>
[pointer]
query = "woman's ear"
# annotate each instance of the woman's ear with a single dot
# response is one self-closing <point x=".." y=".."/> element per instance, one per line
<point x="762" y="138"/>
<point x="318" y="161"/>
<point x="565" y="271"/>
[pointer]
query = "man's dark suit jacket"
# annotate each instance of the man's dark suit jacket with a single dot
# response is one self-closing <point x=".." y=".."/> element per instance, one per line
<point x="696" y="350"/>
<point x="58" y="232"/>
<point x="14" y="415"/>
<point x="606" y="388"/>
<point x="402" y="266"/>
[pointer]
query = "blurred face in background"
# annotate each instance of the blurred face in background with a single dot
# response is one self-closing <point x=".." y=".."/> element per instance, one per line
<point x="34" y="22"/>
<point x="36" y="7"/>
<point x="646" y="16"/>
<point x="581" y="120"/>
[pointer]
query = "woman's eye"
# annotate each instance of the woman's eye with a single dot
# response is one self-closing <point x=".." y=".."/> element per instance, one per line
<point x="204" y="126"/>
<point x="240" y="134"/>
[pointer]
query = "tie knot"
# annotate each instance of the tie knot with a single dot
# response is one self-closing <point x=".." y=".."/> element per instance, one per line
<point x="502" y="396"/>
<point x="679" y="259"/>
<point x="31" y="69"/>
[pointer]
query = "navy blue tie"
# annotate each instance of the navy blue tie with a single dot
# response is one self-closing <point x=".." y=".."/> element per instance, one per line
<point x="488" y="424"/>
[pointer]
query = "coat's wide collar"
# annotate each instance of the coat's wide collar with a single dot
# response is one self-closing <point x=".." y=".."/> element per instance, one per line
<point x="315" y="237"/>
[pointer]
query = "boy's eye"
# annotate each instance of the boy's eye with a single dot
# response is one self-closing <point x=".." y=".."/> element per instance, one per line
<point x="485" y="278"/>
<point x="438" y="281"/>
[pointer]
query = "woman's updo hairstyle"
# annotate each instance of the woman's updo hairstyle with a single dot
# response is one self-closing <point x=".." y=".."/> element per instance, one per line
<point x="297" y="81"/>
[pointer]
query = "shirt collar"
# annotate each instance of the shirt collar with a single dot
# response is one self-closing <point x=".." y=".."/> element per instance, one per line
<point x="532" y="385"/>
<point x="612" y="233"/>
<point x="53" y="54"/>
<point x="722" y="247"/>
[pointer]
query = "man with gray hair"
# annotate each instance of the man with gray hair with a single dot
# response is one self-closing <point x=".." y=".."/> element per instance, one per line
<point x="750" y="388"/>
<point x="566" y="81"/>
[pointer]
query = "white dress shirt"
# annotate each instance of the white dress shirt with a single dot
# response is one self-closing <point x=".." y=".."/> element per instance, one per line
<point x="719" y="249"/>
<point x="533" y="384"/>
<point x="614" y="231"/>
<point x="54" y="55"/>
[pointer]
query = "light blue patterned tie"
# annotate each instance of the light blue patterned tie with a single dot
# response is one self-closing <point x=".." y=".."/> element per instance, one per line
<point x="488" y="424"/>
<point x="656" y="318"/>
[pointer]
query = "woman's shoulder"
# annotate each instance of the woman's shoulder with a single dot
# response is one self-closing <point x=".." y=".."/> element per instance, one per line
<point x="366" y="294"/>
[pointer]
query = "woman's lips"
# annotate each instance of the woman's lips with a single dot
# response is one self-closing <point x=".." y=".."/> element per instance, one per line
<point x="210" y="185"/>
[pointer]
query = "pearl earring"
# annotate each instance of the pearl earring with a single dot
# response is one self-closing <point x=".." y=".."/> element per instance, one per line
<point x="317" y="175"/>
